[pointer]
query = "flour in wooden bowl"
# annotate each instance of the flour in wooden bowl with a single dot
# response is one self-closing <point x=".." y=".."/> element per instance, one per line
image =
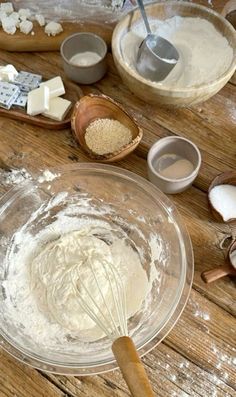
<point x="205" y="54"/>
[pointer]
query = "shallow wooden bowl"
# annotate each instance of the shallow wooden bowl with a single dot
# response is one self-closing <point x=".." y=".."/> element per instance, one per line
<point x="148" y="90"/>
<point x="227" y="178"/>
<point x="92" y="107"/>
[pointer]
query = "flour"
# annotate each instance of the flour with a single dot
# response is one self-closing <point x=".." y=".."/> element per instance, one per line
<point x="205" y="54"/>
<point x="47" y="176"/>
<point x="15" y="176"/>
<point x="86" y="58"/>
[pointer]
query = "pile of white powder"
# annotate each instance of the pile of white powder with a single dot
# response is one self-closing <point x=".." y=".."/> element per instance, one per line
<point x="205" y="54"/>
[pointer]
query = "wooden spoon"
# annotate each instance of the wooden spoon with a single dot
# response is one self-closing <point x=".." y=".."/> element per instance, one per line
<point x="229" y="269"/>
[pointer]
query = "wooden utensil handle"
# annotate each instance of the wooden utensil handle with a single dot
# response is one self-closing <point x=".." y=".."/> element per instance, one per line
<point x="229" y="7"/>
<point x="131" y="367"/>
<point x="211" y="275"/>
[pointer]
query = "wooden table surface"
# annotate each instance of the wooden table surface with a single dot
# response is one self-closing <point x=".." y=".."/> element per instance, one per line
<point x="198" y="358"/>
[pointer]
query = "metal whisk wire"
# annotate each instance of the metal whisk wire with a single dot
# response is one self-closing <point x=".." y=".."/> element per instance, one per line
<point x="113" y="325"/>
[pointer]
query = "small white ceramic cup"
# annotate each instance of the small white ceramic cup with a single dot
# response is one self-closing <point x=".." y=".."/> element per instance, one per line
<point x="173" y="145"/>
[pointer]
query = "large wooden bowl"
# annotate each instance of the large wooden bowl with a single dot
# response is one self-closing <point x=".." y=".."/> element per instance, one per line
<point x="229" y="12"/>
<point x="92" y="107"/>
<point x="149" y="91"/>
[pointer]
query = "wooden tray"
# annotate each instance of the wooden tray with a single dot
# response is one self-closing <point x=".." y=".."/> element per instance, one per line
<point x="72" y="92"/>
<point x="40" y="41"/>
<point x="40" y="121"/>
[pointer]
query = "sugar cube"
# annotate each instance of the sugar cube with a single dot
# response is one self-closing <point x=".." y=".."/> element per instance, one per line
<point x="27" y="81"/>
<point x="8" y="93"/>
<point x="21" y="100"/>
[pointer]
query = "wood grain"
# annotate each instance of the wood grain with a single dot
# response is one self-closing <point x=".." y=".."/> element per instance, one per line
<point x="197" y="358"/>
<point x="40" y="41"/>
<point x="21" y="115"/>
<point x="18" y="380"/>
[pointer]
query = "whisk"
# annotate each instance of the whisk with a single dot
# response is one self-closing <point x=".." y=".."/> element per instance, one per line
<point x="111" y="318"/>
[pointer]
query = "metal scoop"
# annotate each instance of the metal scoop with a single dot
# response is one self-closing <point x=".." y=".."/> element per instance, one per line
<point x="156" y="55"/>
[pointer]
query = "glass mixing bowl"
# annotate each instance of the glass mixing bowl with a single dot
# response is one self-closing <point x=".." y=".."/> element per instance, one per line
<point x="131" y="206"/>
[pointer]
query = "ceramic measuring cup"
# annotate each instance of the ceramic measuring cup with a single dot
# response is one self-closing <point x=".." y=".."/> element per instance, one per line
<point x="80" y="43"/>
<point x="181" y="147"/>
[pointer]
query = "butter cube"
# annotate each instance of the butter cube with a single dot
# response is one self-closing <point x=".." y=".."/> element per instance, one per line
<point x="24" y="13"/>
<point x="53" y="28"/>
<point x="55" y="85"/>
<point x="38" y="101"/>
<point x="14" y="15"/>
<point x="9" y="25"/>
<point x="2" y="16"/>
<point x="26" y="27"/>
<point x="7" y="7"/>
<point x="40" y="19"/>
<point x="58" y="108"/>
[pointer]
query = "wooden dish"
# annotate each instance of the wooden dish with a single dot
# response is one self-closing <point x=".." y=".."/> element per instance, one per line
<point x="226" y="178"/>
<point x="149" y="91"/>
<point x="40" y="41"/>
<point x="72" y="93"/>
<point x="92" y="107"/>
<point x="40" y="121"/>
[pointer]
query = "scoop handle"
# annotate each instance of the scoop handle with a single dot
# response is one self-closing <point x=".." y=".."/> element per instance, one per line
<point x="212" y="275"/>
<point x="144" y="15"/>
<point x="131" y="367"/>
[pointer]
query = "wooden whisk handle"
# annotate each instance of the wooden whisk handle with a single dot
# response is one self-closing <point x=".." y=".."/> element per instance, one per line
<point x="131" y="367"/>
<point x="212" y="275"/>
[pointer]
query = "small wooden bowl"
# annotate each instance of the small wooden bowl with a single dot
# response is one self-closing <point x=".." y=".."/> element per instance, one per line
<point x="92" y="107"/>
<point x="226" y="178"/>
